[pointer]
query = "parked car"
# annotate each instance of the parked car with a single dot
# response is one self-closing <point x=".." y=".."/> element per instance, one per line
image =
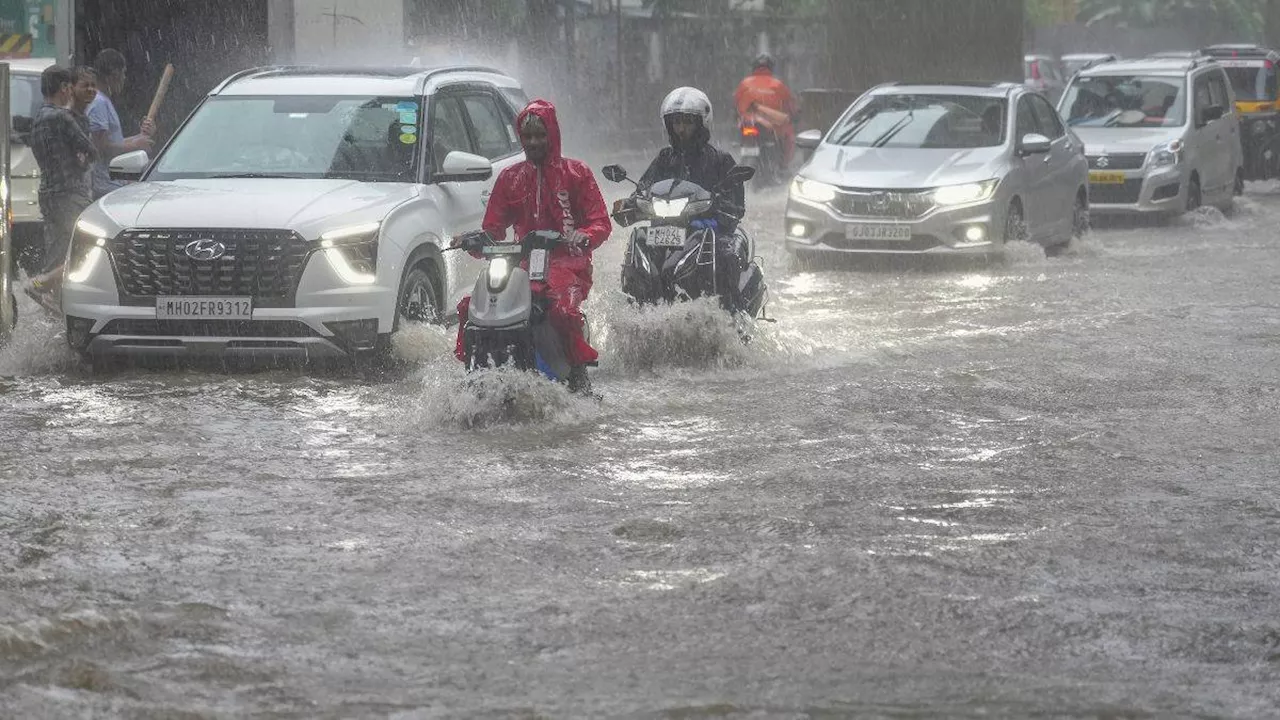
<point x="1253" y="75"/>
<point x="1045" y="75"/>
<point x="1161" y="134"/>
<point x="299" y="212"/>
<point x="1075" y="62"/>
<point x="25" y="99"/>
<point x="959" y="168"/>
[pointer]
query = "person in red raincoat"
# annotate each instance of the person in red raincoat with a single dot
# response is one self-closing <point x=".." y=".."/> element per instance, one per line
<point x="551" y="192"/>
<point x="761" y="89"/>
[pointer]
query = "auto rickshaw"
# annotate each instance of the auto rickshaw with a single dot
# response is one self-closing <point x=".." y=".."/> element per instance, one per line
<point x="1252" y="71"/>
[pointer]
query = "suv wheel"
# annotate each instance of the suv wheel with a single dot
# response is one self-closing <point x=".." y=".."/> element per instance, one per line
<point x="418" y="299"/>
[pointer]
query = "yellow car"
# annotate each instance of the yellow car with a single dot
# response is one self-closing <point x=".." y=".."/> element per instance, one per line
<point x="1252" y="71"/>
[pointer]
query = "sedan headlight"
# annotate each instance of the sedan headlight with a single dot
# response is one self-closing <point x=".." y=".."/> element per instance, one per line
<point x="813" y="191"/>
<point x="966" y="193"/>
<point x="1167" y="155"/>
<point x="88" y="248"/>
<point x="670" y="208"/>
<point x="352" y="252"/>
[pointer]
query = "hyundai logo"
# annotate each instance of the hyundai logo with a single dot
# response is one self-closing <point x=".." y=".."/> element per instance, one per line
<point x="1103" y="161"/>
<point x="205" y="249"/>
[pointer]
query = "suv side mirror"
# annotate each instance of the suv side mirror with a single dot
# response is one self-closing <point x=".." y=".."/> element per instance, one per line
<point x="809" y="139"/>
<point x="129" y="166"/>
<point x="1211" y="113"/>
<point x="464" y="167"/>
<point x="615" y="173"/>
<point x="1034" y="144"/>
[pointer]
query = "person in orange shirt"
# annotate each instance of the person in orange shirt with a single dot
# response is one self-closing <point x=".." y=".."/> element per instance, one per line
<point x="762" y="89"/>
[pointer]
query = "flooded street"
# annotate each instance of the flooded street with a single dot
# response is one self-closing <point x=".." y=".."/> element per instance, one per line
<point x="1043" y="487"/>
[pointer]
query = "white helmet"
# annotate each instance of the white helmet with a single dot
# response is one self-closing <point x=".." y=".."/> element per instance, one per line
<point x="687" y="101"/>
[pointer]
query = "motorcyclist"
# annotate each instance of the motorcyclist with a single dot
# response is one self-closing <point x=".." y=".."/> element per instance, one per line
<point x="687" y="115"/>
<point x="548" y="191"/>
<point x="761" y="88"/>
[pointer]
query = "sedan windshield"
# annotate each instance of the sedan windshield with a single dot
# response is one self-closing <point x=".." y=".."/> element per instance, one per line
<point x="1126" y="101"/>
<point x="357" y="138"/>
<point x="923" y="121"/>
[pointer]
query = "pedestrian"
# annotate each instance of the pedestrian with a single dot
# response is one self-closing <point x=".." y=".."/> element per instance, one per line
<point x="104" y="121"/>
<point x="64" y="153"/>
<point x="84" y="90"/>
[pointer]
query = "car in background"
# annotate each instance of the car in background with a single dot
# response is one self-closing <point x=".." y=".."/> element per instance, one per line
<point x="1075" y="62"/>
<point x="1045" y="75"/>
<point x="25" y="99"/>
<point x="1252" y="71"/>
<point x="299" y="213"/>
<point x="938" y="169"/>
<point x="1160" y="134"/>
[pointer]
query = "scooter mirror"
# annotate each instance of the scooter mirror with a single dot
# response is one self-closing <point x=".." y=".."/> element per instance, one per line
<point x="615" y="173"/>
<point x="739" y="174"/>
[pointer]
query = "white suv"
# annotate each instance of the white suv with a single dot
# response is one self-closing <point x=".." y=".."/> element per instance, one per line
<point x="1161" y="135"/>
<point x="299" y="212"/>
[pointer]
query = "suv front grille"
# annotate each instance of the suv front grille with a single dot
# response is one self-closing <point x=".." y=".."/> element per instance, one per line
<point x="263" y="264"/>
<point x="1119" y="161"/>
<point x="899" y="204"/>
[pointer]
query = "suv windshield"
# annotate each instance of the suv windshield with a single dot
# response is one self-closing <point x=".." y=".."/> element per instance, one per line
<point x="357" y="138"/>
<point x="1126" y="101"/>
<point x="923" y="121"/>
<point x="1253" y="83"/>
<point x="24" y="100"/>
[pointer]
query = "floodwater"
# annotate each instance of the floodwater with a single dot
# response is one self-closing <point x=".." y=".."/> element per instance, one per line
<point x="1045" y="487"/>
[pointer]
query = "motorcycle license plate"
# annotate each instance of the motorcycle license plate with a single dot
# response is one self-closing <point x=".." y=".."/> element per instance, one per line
<point x="750" y="152"/>
<point x="538" y="264"/>
<point x="666" y="237"/>
<point x="877" y="232"/>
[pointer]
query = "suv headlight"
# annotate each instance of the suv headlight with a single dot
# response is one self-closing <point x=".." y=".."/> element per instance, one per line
<point x="352" y="252"/>
<point x="1167" y="155"/>
<point x="813" y="191"/>
<point x="88" y="248"/>
<point x="966" y="193"/>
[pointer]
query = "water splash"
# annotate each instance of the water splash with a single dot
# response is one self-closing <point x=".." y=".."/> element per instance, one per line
<point x="38" y="344"/>
<point x="450" y="397"/>
<point x="695" y="334"/>
<point x="1021" y="252"/>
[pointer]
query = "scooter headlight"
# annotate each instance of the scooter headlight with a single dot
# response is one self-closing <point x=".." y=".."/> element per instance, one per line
<point x="499" y="268"/>
<point x="670" y="208"/>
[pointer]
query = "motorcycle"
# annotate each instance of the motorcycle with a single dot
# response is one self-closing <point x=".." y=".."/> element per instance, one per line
<point x="759" y="145"/>
<point x="682" y="254"/>
<point x="507" y="321"/>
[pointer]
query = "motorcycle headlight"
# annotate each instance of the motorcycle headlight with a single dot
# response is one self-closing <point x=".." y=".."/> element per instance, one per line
<point x="88" y="248"/>
<point x="813" y="191"/>
<point x="352" y="252"/>
<point x="966" y="193"/>
<point x="670" y="208"/>
<point x="1167" y="155"/>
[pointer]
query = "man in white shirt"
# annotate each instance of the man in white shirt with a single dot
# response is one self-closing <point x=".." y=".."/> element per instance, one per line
<point x="104" y="122"/>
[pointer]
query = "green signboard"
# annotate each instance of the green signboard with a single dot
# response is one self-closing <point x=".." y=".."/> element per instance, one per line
<point x="26" y="28"/>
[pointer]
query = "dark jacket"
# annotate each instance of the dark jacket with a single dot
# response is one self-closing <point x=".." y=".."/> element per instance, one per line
<point x="700" y="162"/>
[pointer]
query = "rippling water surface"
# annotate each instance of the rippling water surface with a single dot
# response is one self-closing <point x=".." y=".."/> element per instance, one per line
<point x="1040" y="487"/>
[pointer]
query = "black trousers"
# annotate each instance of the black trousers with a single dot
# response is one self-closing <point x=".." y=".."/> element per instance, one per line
<point x="60" y="211"/>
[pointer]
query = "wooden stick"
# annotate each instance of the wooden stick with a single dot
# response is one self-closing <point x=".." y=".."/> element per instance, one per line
<point x="160" y="92"/>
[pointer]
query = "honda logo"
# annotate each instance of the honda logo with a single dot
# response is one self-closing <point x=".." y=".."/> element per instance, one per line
<point x="205" y="249"/>
<point x="880" y="201"/>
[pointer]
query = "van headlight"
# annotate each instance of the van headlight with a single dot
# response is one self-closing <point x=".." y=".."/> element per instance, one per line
<point x="88" y="248"/>
<point x="813" y="191"/>
<point x="966" y="193"/>
<point x="352" y="252"/>
<point x="1167" y="155"/>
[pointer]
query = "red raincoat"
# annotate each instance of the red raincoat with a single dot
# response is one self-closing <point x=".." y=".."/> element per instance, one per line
<point x="763" y="89"/>
<point x="561" y="195"/>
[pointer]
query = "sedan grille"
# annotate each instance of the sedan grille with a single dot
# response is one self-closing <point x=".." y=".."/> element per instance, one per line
<point x="1119" y="161"/>
<point x="897" y="204"/>
<point x="263" y="264"/>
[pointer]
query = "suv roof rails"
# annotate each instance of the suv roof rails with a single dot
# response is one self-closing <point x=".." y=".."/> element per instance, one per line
<point x="385" y="71"/>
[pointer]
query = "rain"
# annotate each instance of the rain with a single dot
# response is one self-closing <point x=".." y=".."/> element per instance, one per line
<point x="1023" y="471"/>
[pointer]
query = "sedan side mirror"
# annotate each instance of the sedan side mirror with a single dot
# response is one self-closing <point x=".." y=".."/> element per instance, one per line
<point x="1211" y="113"/>
<point x="809" y="139"/>
<point x="464" y="167"/>
<point x="615" y="173"/>
<point x="129" y="166"/>
<point x="1034" y="144"/>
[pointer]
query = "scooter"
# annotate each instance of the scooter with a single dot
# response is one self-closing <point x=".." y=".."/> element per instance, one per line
<point x="507" y="320"/>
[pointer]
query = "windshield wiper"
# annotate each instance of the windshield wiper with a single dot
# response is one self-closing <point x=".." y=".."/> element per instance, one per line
<point x="232" y="176"/>
<point x="888" y="135"/>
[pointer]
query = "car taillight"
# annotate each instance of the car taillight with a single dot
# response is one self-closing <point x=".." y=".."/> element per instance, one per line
<point x="750" y="131"/>
<point x="1035" y="69"/>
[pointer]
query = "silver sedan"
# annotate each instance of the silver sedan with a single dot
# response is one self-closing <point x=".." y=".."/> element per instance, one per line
<point x="940" y="169"/>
